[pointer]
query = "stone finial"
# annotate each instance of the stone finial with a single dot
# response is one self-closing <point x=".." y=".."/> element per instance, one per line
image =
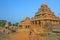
<point x="44" y="5"/>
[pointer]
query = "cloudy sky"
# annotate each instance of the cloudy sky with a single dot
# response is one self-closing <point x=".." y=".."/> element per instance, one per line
<point x="16" y="10"/>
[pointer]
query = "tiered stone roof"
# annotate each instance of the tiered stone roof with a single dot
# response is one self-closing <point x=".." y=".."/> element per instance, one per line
<point x="44" y="13"/>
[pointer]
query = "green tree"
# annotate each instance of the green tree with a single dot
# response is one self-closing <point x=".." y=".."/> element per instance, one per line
<point x="9" y="23"/>
<point x="2" y="23"/>
<point x="16" y="24"/>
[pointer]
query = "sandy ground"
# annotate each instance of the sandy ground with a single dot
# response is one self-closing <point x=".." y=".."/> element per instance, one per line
<point x="19" y="36"/>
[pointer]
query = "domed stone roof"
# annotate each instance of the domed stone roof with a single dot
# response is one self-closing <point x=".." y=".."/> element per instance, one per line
<point x="25" y="18"/>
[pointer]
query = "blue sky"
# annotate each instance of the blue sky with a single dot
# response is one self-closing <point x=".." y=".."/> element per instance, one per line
<point x="15" y="10"/>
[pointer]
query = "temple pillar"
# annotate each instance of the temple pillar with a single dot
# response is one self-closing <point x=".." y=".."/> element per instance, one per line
<point x="41" y="23"/>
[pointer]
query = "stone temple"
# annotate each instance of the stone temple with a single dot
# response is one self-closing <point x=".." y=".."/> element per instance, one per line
<point x="44" y="25"/>
<point x="43" y="16"/>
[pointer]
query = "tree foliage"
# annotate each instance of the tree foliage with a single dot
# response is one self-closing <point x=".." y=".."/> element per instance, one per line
<point x="16" y="24"/>
<point x="9" y="23"/>
<point x="2" y="23"/>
